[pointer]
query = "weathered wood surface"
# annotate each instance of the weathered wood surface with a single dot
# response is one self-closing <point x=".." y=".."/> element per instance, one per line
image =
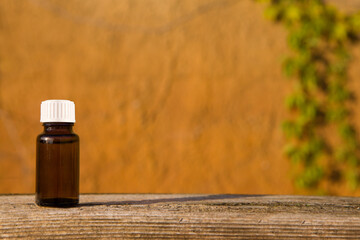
<point x="183" y="216"/>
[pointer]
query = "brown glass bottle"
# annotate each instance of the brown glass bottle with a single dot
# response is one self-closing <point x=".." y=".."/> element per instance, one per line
<point x="57" y="166"/>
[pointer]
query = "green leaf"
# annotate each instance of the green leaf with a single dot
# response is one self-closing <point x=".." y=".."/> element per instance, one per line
<point x="336" y="114"/>
<point x="293" y="13"/>
<point x="290" y="66"/>
<point x="347" y="131"/>
<point x="295" y="101"/>
<point x="353" y="178"/>
<point x="272" y="12"/>
<point x="311" y="177"/>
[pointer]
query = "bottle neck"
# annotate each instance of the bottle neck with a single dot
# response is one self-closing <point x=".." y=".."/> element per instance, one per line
<point x="58" y="127"/>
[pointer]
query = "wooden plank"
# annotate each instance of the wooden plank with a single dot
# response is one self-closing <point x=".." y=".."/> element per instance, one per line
<point x="183" y="216"/>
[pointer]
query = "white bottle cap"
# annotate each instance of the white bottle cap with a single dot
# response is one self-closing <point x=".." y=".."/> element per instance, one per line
<point x="57" y="111"/>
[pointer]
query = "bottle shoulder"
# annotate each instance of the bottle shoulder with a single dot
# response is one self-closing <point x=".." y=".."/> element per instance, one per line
<point x="57" y="138"/>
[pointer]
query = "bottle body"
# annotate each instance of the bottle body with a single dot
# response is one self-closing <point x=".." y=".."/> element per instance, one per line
<point x="57" y="166"/>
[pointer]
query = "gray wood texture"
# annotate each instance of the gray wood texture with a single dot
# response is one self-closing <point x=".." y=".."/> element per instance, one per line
<point x="183" y="216"/>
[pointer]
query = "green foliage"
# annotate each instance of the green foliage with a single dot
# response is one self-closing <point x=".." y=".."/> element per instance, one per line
<point x="319" y="37"/>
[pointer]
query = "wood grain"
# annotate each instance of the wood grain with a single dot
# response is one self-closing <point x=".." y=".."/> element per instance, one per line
<point x="183" y="216"/>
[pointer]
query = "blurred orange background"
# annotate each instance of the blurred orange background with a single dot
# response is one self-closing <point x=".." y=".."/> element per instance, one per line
<point x="171" y="96"/>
